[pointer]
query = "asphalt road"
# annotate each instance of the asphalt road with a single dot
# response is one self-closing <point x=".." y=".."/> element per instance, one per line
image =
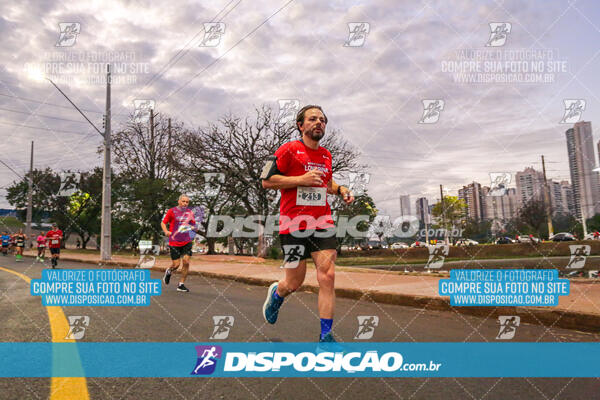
<point x="187" y="317"/>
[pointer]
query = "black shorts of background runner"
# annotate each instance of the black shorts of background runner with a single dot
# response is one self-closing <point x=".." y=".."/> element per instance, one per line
<point x="54" y="250"/>
<point x="179" y="251"/>
<point x="312" y="242"/>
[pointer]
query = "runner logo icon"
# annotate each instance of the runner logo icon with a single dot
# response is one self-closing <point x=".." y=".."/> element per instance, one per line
<point x="579" y="254"/>
<point x="287" y="110"/>
<point x="292" y="253"/>
<point x="213" y="31"/>
<point x="207" y="359"/>
<point x="366" y="326"/>
<point x="573" y="110"/>
<point x="358" y="182"/>
<point x="508" y="326"/>
<point x="68" y="33"/>
<point x="223" y="324"/>
<point x="431" y="111"/>
<point x="498" y="33"/>
<point x="499" y="183"/>
<point x="77" y="325"/>
<point x="358" y="34"/>
<point x="141" y="110"/>
<point x="437" y="255"/>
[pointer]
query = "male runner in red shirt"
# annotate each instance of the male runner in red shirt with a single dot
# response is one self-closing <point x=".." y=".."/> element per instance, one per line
<point x="54" y="238"/>
<point x="302" y="171"/>
<point x="181" y="223"/>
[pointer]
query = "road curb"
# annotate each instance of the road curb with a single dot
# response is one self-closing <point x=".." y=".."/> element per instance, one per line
<point x="533" y="315"/>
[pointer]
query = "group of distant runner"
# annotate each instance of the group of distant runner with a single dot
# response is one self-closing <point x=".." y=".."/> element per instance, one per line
<point x="15" y="244"/>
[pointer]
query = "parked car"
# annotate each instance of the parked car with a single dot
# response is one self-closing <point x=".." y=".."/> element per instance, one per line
<point x="562" y="237"/>
<point x="504" y="240"/>
<point x="418" y="244"/>
<point x="466" y="242"/>
<point x="399" y="245"/>
<point x="592" y="236"/>
<point x="528" y="239"/>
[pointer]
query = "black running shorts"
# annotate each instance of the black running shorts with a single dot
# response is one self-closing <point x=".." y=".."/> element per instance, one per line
<point x="179" y="251"/>
<point x="303" y="243"/>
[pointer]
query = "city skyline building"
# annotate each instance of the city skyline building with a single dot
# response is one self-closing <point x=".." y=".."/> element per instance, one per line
<point x="530" y="185"/>
<point x="472" y="195"/>
<point x="582" y="160"/>
<point x="405" y="208"/>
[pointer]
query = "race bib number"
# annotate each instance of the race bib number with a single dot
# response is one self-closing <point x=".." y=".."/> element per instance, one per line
<point x="311" y="196"/>
<point x="54" y="241"/>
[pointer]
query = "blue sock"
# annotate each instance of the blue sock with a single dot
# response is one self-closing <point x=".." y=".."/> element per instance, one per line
<point x="325" y="326"/>
<point x="277" y="297"/>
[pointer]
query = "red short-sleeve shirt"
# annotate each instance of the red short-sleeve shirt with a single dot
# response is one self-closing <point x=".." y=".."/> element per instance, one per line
<point x="295" y="159"/>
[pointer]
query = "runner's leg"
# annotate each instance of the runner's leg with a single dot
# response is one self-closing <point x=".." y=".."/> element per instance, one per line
<point x="294" y="277"/>
<point x="185" y="268"/>
<point x="325" y="264"/>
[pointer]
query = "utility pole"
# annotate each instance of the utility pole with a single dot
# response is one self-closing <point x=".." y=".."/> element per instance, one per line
<point x="547" y="200"/>
<point x="443" y="214"/>
<point x="29" y="199"/>
<point x="583" y="223"/>
<point x="169" y="137"/>
<point x="105" y="236"/>
<point x="105" y="231"/>
<point x="152" y="150"/>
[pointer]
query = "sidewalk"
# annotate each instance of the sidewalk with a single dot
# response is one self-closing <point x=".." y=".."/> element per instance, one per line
<point x="580" y="310"/>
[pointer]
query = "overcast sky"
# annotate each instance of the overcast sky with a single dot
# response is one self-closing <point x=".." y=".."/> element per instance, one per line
<point x="371" y="91"/>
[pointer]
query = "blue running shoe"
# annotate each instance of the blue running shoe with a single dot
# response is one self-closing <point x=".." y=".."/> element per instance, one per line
<point x="329" y="344"/>
<point x="271" y="306"/>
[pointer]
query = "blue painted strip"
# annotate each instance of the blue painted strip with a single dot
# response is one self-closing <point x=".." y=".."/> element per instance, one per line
<point x="301" y="359"/>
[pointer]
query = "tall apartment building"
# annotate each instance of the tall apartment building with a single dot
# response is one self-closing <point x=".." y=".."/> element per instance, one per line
<point x="473" y="196"/>
<point x="530" y="185"/>
<point x="405" y="205"/>
<point x="568" y="197"/>
<point x="561" y="197"/>
<point x="582" y="160"/>
<point x="423" y="211"/>
<point x="500" y="208"/>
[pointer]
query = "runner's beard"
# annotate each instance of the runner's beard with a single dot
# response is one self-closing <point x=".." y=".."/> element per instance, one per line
<point x="316" y="136"/>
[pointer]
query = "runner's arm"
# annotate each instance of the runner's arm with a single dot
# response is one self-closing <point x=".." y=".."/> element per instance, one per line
<point x="311" y="178"/>
<point x="334" y="188"/>
<point x="280" y="182"/>
<point x="164" y="228"/>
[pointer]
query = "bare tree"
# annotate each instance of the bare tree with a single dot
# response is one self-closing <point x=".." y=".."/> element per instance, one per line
<point x="238" y="149"/>
<point x="144" y="156"/>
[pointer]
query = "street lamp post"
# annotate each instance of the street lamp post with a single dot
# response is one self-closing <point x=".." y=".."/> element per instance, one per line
<point x="105" y="232"/>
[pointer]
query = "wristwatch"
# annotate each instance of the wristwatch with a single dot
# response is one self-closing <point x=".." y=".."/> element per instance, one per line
<point x="339" y="190"/>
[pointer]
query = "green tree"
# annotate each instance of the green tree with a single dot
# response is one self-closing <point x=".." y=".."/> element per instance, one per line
<point x="362" y="205"/>
<point x="477" y="230"/>
<point x="449" y="213"/>
<point x="532" y="217"/>
<point x="45" y="186"/>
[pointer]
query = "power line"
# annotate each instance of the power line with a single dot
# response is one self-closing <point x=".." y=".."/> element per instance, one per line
<point x="174" y="59"/>
<point x="40" y="128"/>
<point x="51" y="104"/>
<point x="231" y="48"/>
<point x="41" y="115"/>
